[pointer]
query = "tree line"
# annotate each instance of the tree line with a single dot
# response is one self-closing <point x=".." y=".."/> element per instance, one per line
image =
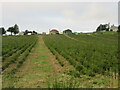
<point x="106" y="27"/>
<point x="14" y="30"/>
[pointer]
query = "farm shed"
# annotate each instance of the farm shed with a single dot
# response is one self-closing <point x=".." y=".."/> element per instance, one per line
<point x="43" y="33"/>
<point x="29" y="33"/>
<point x="68" y="31"/>
<point x="76" y="33"/>
<point x="54" y="31"/>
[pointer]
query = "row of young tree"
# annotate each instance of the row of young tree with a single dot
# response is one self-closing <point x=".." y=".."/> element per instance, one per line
<point x="14" y="30"/>
<point x="32" y="32"/>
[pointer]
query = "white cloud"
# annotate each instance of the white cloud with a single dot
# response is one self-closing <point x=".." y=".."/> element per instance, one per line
<point x="68" y="13"/>
<point x="44" y="16"/>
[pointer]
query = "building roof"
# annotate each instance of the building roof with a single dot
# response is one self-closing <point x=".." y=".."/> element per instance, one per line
<point x="54" y="30"/>
<point x="114" y="26"/>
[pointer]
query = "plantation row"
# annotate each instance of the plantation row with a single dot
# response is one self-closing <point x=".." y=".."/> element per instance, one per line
<point x="11" y="44"/>
<point x="19" y="46"/>
<point x="88" y="54"/>
<point x="110" y="39"/>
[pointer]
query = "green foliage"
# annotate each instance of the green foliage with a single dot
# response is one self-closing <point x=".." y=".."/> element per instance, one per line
<point x="103" y="27"/>
<point x="14" y="29"/>
<point x="2" y="31"/>
<point x="56" y="56"/>
<point x="18" y="50"/>
<point x="73" y="72"/>
<point x="69" y="83"/>
<point x="11" y="29"/>
<point x="90" y="54"/>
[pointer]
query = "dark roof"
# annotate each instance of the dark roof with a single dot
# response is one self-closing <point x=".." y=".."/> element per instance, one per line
<point x="68" y="30"/>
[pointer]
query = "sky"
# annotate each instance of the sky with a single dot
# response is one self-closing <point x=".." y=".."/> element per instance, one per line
<point x="44" y="16"/>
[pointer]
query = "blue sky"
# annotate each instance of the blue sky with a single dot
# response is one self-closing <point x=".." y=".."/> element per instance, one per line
<point x="42" y="16"/>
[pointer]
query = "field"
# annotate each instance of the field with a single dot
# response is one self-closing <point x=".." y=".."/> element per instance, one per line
<point x="60" y="61"/>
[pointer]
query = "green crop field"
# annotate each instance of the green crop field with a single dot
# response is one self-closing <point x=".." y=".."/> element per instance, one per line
<point x="60" y="61"/>
<point x="15" y="49"/>
<point x="88" y="54"/>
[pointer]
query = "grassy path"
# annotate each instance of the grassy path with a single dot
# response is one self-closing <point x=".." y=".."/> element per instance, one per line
<point x="39" y="68"/>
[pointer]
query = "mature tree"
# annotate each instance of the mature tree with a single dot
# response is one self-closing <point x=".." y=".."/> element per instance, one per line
<point x="2" y="31"/>
<point x="102" y="27"/>
<point x="99" y="27"/>
<point x="16" y="29"/>
<point x="11" y="29"/>
<point x="26" y="32"/>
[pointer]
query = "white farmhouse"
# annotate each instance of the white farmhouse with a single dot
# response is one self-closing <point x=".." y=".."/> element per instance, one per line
<point x="114" y="28"/>
<point x="29" y="34"/>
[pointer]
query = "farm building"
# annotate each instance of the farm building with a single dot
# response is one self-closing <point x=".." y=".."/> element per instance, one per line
<point x="114" y="28"/>
<point x="43" y="33"/>
<point x="54" y="31"/>
<point x="68" y="31"/>
<point x="76" y="33"/>
<point x="29" y="33"/>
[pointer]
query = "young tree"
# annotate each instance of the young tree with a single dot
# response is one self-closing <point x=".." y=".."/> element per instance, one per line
<point x="16" y="29"/>
<point x="11" y="29"/>
<point x="2" y="31"/>
<point x="34" y="32"/>
<point x="26" y="32"/>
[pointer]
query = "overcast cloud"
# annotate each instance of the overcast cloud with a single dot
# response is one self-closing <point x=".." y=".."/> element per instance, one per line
<point x="42" y="16"/>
